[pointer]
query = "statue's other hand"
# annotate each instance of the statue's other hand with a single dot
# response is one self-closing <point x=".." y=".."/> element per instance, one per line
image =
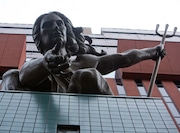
<point x="160" y="51"/>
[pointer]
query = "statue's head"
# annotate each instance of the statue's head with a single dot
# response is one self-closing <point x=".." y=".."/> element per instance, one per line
<point x="52" y="28"/>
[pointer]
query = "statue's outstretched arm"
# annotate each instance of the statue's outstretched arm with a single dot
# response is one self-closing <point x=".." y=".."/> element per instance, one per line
<point x="109" y="63"/>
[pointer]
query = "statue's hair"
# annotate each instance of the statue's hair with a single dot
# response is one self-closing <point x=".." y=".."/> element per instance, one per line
<point x="75" y="40"/>
<point x="74" y="36"/>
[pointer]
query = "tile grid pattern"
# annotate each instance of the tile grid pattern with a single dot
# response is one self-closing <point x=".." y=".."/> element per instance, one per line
<point x="41" y="112"/>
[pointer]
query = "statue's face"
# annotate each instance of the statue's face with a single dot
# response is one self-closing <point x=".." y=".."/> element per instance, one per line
<point x="52" y="31"/>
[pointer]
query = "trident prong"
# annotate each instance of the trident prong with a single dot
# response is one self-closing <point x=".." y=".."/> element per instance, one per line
<point x="167" y="36"/>
<point x="156" y="67"/>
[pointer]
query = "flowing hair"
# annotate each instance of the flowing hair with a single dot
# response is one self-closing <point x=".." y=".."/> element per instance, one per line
<point x="75" y="40"/>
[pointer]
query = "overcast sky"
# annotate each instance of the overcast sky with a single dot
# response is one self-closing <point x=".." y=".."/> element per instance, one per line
<point x="97" y="14"/>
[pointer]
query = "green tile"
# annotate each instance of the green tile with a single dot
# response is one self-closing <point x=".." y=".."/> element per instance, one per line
<point x="4" y="127"/>
<point x="95" y="120"/>
<point x="85" y="131"/>
<point x="28" y="125"/>
<point x="73" y="122"/>
<point x="41" y="121"/>
<point x="107" y="124"/>
<point x="39" y="130"/>
<point x="7" y="95"/>
<point x="118" y="129"/>
<point x="28" y="129"/>
<point x="140" y="130"/>
<point x="96" y="131"/>
<point x="21" y="112"/>
<point x="30" y="116"/>
<point x="4" y="131"/>
<point x="30" y="120"/>
<point x="17" y="129"/>
<point x="173" y="130"/>
<point x="84" y="119"/>
<point x="128" y="125"/>
<point x="31" y="112"/>
<point x="9" y="115"/>
<point x="110" y="129"/>
<point x="2" y="111"/>
<point x="50" y="129"/>
<point x="116" y="120"/>
<point x="4" y="107"/>
<point x="94" y="115"/>
<point x="138" y="125"/>
<point x="127" y="121"/>
<point x="104" y="116"/>
<point x="39" y="125"/>
<point x="160" y="126"/>
<point x="95" y="123"/>
<point x="25" y="105"/>
<point x="152" y="130"/>
<point x="117" y="125"/>
<point x="7" y="119"/>
<point x="170" y="126"/>
<point x="129" y="129"/>
<point x="17" y="124"/>
<point x="33" y="105"/>
<point x="19" y="120"/>
<point x="84" y="127"/>
<point x="84" y="113"/>
<point x="6" y="123"/>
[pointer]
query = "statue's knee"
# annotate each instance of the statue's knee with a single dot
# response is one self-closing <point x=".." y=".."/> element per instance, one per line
<point x="88" y="81"/>
<point x="10" y="80"/>
<point x="85" y="81"/>
<point x="87" y="75"/>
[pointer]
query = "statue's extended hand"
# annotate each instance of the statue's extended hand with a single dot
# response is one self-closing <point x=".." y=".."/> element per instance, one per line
<point x="55" y="63"/>
<point x="160" y="51"/>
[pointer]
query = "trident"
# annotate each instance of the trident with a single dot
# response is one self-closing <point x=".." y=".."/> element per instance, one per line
<point x="157" y="64"/>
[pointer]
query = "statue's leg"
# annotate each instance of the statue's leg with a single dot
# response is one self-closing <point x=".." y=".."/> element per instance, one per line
<point x="89" y="81"/>
<point x="10" y="81"/>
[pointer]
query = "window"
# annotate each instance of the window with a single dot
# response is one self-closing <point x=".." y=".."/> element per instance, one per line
<point x="68" y="129"/>
<point x="0" y="82"/>
<point x="120" y="88"/>
<point x="177" y="83"/>
<point x="141" y="88"/>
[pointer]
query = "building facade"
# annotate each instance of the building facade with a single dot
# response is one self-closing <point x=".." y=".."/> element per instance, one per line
<point x="128" y="84"/>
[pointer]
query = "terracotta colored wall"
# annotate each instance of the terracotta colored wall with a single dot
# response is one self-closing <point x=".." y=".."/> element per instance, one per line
<point x="12" y="51"/>
<point x="130" y="87"/>
<point x="169" y="68"/>
<point x="112" y="84"/>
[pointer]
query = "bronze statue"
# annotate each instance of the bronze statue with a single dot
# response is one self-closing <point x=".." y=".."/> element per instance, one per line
<point x="58" y="40"/>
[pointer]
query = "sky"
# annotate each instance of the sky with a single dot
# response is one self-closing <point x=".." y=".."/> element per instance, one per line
<point x="97" y="14"/>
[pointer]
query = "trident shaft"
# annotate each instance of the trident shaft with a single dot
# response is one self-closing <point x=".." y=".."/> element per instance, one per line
<point x="157" y="64"/>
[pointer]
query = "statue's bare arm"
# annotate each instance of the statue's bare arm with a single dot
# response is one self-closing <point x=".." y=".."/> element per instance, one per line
<point x="109" y="63"/>
<point x="33" y="73"/>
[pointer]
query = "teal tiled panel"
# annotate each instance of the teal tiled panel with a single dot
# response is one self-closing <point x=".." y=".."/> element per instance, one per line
<point x="24" y="112"/>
